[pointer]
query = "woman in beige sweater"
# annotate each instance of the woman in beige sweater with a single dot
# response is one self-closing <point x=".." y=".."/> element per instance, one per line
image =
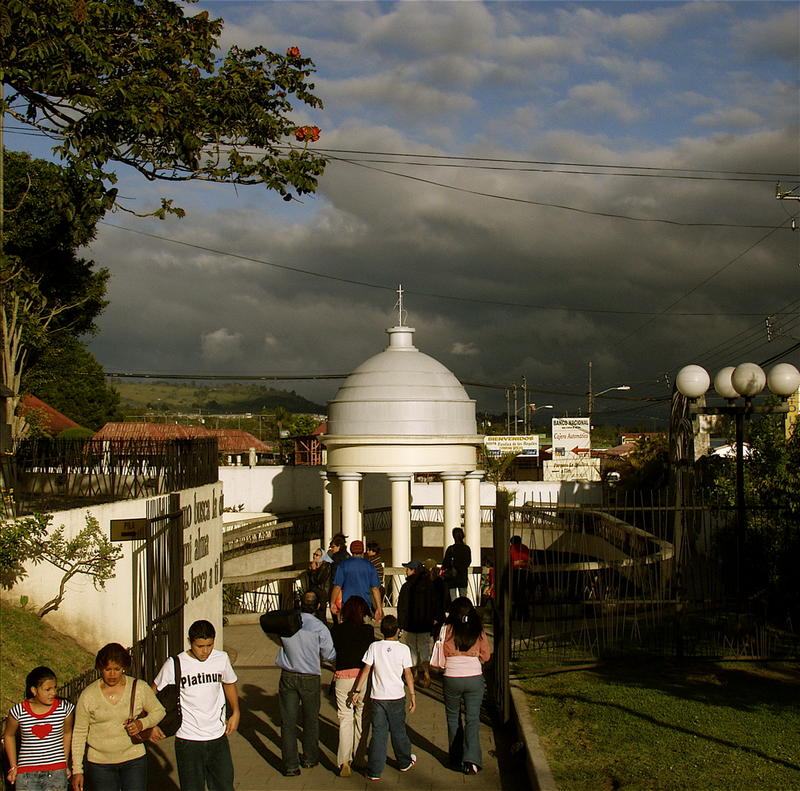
<point x="103" y="724"/>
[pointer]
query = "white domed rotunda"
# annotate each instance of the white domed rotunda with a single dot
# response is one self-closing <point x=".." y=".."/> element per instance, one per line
<point x="398" y="413"/>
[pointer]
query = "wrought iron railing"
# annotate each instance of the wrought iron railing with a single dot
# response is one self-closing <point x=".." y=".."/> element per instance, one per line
<point x="52" y="474"/>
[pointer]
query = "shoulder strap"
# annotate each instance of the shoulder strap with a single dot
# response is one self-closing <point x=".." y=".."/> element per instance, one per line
<point x="131" y="715"/>
<point x="177" y="663"/>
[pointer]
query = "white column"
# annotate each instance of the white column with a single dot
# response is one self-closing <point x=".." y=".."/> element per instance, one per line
<point x="327" y="509"/>
<point x="401" y="523"/>
<point x="472" y="525"/>
<point x="361" y="511"/>
<point x="349" y="483"/>
<point x="451" y="483"/>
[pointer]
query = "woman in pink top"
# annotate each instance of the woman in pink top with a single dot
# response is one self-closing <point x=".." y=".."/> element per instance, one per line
<point x="466" y="649"/>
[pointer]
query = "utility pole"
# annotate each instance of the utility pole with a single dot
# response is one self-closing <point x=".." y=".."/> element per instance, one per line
<point x="525" y="405"/>
<point x="590" y="399"/>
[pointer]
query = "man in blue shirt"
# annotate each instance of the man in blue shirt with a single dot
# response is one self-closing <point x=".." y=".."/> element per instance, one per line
<point x="299" y="660"/>
<point x="356" y="576"/>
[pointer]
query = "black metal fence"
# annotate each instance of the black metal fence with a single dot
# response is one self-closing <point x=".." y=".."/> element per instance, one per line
<point x="641" y="575"/>
<point x="52" y="474"/>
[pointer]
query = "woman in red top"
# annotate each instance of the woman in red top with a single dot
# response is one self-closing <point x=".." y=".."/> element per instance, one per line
<point x="43" y="725"/>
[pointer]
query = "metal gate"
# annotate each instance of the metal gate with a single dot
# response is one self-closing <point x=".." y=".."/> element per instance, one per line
<point x="499" y="677"/>
<point x="158" y="587"/>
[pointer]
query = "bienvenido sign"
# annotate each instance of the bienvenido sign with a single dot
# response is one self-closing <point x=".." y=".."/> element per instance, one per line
<point x="526" y="445"/>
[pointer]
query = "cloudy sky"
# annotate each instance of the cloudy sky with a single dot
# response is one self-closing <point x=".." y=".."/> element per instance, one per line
<point x="551" y="183"/>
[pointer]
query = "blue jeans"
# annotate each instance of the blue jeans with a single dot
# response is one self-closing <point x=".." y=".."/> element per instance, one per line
<point x="55" y="780"/>
<point x="470" y="689"/>
<point x="295" y="690"/>
<point x="202" y="762"/>
<point x="127" y="776"/>
<point x="388" y="717"/>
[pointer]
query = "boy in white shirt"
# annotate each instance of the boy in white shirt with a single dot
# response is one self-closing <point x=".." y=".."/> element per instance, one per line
<point x="207" y="682"/>
<point x="391" y="661"/>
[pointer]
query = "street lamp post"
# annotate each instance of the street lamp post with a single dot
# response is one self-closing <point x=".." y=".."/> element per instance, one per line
<point x="746" y="381"/>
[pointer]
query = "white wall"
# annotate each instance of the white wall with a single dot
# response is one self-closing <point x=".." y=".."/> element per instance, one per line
<point x="96" y="617"/>
<point x="286" y="489"/>
<point x="282" y="490"/>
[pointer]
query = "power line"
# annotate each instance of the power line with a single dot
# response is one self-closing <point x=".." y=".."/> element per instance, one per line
<point x="523" y="165"/>
<point x="365" y="284"/>
<point x="563" y="207"/>
<point x="702" y="283"/>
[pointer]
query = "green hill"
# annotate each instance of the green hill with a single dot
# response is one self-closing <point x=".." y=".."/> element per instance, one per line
<point x="26" y="642"/>
<point x="196" y="396"/>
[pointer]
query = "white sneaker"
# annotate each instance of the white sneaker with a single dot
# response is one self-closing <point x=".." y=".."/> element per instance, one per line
<point x="413" y="761"/>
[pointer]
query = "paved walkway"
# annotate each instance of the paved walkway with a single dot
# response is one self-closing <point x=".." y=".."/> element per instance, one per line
<point x="256" y="746"/>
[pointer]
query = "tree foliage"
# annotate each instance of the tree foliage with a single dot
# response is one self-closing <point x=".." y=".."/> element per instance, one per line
<point x="18" y="541"/>
<point x="67" y="376"/>
<point x="48" y="294"/>
<point x="772" y="500"/>
<point x="141" y="83"/>
<point x="50" y="213"/>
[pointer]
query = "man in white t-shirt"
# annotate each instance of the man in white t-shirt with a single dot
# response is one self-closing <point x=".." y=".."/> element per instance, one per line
<point x="207" y="682"/>
<point x="390" y="663"/>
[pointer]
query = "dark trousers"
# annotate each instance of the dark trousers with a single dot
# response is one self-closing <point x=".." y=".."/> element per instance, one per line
<point x="388" y="717"/>
<point x="125" y="776"/>
<point x="469" y="689"/>
<point x="201" y="763"/>
<point x="296" y="690"/>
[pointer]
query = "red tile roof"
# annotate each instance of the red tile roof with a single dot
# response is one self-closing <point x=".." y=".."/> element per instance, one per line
<point x="131" y="430"/>
<point x="236" y="440"/>
<point x="54" y="421"/>
<point x="230" y="440"/>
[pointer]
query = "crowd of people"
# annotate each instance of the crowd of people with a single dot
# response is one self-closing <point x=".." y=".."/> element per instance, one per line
<point x="51" y="744"/>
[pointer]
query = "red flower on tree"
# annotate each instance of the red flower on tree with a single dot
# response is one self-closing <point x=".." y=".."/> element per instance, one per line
<point x="293" y="52"/>
<point x="306" y="134"/>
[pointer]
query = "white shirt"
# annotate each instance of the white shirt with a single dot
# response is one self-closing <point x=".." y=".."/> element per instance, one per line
<point x="388" y="659"/>
<point x="202" y="695"/>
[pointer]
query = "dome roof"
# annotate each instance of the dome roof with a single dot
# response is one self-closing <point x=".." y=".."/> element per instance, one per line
<point x="401" y="392"/>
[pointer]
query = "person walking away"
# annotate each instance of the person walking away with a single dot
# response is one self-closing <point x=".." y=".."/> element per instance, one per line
<point x="441" y="595"/>
<point x="317" y="579"/>
<point x="456" y="563"/>
<point x="356" y="576"/>
<point x="103" y="722"/>
<point x="207" y="683"/>
<point x="299" y="686"/>
<point x="373" y="555"/>
<point x="351" y="638"/>
<point x="415" y="614"/>
<point x="521" y="578"/>
<point x="466" y="649"/>
<point x="391" y="662"/>
<point x="41" y="727"/>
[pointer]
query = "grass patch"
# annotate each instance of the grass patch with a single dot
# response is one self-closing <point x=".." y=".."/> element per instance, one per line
<point x="652" y="725"/>
<point x="27" y="641"/>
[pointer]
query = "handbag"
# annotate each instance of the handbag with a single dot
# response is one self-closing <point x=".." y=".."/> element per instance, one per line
<point x="438" y="659"/>
<point x="170" y="698"/>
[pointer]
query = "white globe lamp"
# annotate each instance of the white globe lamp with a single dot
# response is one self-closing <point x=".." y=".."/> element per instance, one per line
<point x="723" y="384"/>
<point x="692" y="381"/>
<point x="783" y="379"/>
<point x="748" y="379"/>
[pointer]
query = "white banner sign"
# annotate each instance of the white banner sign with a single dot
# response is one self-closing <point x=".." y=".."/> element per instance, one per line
<point x="571" y="470"/>
<point x="522" y="445"/>
<point x="571" y="438"/>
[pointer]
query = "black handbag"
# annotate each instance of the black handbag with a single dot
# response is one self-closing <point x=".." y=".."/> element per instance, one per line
<point x="282" y="623"/>
<point x="170" y="698"/>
